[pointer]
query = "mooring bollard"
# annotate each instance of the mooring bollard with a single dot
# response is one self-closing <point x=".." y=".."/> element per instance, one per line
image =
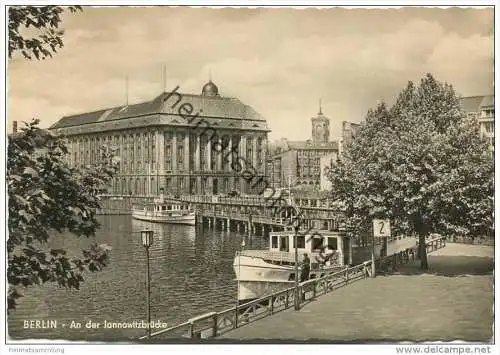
<point x="190" y="330"/>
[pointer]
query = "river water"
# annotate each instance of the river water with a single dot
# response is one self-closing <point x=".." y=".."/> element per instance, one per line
<point x="191" y="274"/>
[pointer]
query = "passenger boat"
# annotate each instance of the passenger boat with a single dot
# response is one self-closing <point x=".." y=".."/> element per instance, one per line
<point x="262" y="272"/>
<point x="165" y="211"/>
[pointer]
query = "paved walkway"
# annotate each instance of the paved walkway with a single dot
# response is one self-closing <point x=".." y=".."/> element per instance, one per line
<point x="411" y="306"/>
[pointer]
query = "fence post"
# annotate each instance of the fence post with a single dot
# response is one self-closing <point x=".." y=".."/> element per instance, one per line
<point x="214" y="325"/>
<point x="272" y="303"/>
<point x="346" y="276"/>
<point x="190" y="330"/>
<point x="366" y="272"/>
<point x="286" y="300"/>
<point x="314" y="288"/>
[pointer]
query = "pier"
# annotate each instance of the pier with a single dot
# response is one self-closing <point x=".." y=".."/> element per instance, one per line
<point x="254" y="214"/>
<point x="216" y="324"/>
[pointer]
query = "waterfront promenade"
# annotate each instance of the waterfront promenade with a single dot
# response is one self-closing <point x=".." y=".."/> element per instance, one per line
<point x="451" y="301"/>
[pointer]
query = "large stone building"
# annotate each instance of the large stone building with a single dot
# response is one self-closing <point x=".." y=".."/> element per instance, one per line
<point x="300" y="160"/>
<point x="483" y="109"/>
<point x="184" y="143"/>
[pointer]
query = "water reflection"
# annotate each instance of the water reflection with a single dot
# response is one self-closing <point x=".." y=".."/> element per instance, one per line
<point x="163" y="233"/>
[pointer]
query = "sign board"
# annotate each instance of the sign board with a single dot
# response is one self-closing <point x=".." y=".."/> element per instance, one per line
<point x="381" y="228"/>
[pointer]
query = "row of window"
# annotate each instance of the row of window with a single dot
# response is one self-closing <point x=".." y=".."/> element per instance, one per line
<point x="140" y="186"/>
<point x="316" y="243"/>
<point x="487" y="113"/>
<point x="137" y="151"/>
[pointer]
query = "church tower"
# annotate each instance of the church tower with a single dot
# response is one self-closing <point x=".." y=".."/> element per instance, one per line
<point x="320" y="127"/>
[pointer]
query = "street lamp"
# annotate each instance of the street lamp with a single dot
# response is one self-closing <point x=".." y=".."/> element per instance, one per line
<point x="297" y="293"/>
<point x="343" y="233"/>
<point x="147" y="241"/>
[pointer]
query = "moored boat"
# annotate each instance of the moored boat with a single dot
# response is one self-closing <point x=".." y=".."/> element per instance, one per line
<point x="163" y="210"/>
<point x="262" y="272"/>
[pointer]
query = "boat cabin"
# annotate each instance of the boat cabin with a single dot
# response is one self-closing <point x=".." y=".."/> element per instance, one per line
<point x="315" y="245"/>
<point x="166" y="207"/>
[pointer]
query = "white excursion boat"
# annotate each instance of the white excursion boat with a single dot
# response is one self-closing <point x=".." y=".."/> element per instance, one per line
<point x="165" y="211"/>
<point x="262" y="272"/>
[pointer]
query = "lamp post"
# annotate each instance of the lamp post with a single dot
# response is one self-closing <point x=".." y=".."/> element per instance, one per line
<point x="294" y="215"/>
<point x="147" y="241"/>
<point x="296" y="293"/>
<point x="342" y="231"/>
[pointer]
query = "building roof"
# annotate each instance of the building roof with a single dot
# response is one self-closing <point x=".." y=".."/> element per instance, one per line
<point x="208" y="106"/>
<point x="210" y="89"/>
<point x="475" y="103"/>
<point x="488" y="100"/>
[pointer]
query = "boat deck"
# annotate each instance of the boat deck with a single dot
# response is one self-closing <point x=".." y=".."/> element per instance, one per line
<point x="282" y="256"/>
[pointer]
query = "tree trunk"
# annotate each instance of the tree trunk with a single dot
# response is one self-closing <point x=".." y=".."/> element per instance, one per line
<point x="422" y="251"/>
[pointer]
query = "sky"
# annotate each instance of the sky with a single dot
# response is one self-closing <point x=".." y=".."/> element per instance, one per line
<point x="279" y="61"/>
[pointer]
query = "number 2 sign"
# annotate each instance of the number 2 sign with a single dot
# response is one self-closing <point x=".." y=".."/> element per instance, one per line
<point x="381" y="228"/>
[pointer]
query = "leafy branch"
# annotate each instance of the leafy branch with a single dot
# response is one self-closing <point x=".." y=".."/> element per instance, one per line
<point x="44" y="22"/>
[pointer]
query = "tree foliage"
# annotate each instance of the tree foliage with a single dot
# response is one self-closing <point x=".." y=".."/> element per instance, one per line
<point x="48" y="197"/>
<point x="34" y="30"/>
<point x="421" y="163"/>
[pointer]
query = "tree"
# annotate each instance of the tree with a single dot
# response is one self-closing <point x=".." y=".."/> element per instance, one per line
<point x="45" y="195"/>
<point x="48" y="197"/>
<point x="421" y="163"/>
<point x="45" y="21"/>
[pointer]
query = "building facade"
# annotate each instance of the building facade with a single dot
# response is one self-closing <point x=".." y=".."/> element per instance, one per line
<point x="482" y="108"/>
<point x="326" y="162"/>
<point x="349" y="131"/>
<point x="300" y="160"/>
<point x="183" y="143"/>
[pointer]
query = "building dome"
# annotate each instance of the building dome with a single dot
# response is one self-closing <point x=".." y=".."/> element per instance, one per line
<point x="210" y="89"/>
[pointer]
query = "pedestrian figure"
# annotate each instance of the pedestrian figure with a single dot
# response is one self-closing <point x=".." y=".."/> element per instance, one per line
<point x="306" y="268"/>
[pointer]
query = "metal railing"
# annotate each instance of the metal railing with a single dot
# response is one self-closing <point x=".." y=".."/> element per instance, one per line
<point x="216" y="323"/>
<point x="261" y="205"/>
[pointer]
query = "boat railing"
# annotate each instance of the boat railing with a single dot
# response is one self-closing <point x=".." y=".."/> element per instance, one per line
<point x="213" y="324"/>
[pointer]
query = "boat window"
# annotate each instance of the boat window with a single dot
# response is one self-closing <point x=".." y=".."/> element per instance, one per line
<point x="332" y="243"/>
<point x="291" y="277"/>
<point x="163" y="208"/>
<point x="317" y="243"/>
<point x="274" y="242"/>
<point x="284" y="243"/>
<point x="301" y="242"/>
